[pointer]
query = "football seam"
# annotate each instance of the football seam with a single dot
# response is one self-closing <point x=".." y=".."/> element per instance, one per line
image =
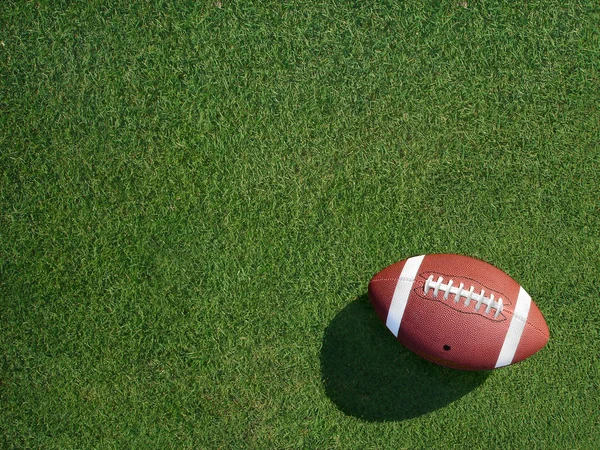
<point x="451" y="306"/>
<point x="393" y="279"/>
<point x="527" y="322"/>
<point x="522" y="319"/>
<point x="473" y="280"/>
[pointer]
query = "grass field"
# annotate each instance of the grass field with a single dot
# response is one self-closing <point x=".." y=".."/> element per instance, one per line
<point x="194" y="196"/>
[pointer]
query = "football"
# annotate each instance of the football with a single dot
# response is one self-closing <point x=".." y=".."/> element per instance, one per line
<point x="458" y="311"/>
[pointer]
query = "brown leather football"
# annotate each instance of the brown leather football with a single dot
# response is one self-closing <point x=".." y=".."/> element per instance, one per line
<point x="458" y="311"/>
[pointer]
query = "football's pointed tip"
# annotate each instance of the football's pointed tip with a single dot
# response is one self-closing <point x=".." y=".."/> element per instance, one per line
<point x="539" y="323"/>
<point x="535" y="336"/>
<point x="381" y="288"/>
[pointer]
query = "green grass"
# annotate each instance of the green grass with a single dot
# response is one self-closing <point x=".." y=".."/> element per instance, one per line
<point x="194" y="196"/>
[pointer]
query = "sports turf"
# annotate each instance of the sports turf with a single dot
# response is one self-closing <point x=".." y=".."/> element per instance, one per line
<point x="194" y="196"/>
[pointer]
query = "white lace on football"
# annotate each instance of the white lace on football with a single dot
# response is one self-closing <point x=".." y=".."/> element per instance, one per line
<point x="469" y="295"/>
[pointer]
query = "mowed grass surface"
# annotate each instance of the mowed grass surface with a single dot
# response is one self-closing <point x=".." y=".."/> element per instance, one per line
<point x="194" y="197"/>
